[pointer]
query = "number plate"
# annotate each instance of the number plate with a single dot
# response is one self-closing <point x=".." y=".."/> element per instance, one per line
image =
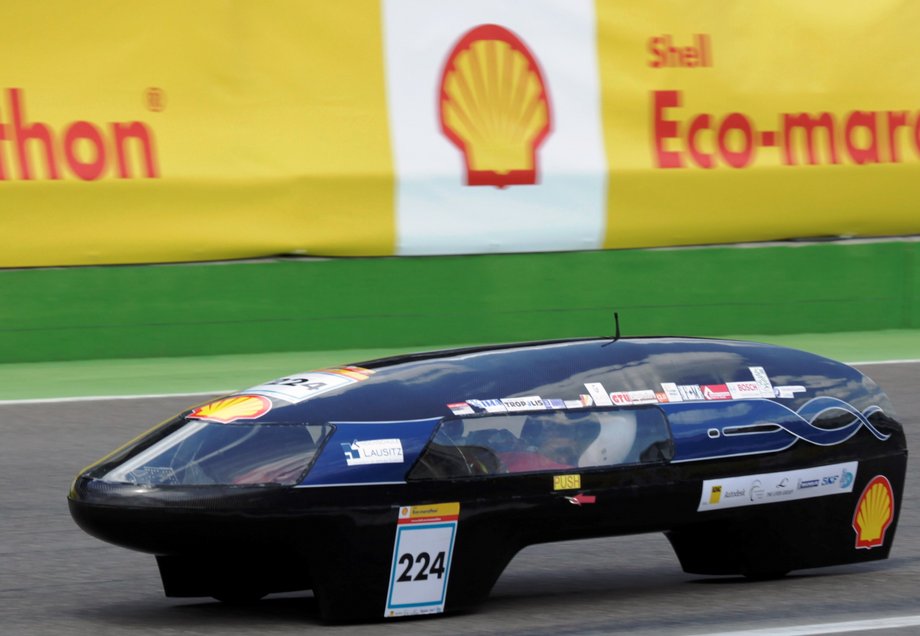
<point x="421" y="559"/>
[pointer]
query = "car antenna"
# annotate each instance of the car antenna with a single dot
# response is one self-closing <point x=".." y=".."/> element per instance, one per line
<point x="616" y="322"/>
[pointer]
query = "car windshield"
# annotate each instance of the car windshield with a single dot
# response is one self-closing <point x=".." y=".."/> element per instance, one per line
<point x="209" y="453"/>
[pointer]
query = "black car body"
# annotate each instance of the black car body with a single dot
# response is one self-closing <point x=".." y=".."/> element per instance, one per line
<point x="405" y="485"/>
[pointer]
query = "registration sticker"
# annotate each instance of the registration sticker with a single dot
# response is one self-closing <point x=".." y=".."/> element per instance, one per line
<point x="421" y="559"/>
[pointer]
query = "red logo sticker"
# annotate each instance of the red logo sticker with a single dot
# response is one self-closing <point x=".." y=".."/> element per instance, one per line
<point x="716" y="392"/>
<point x="874" y="513"/>
<point x="230" y="409"/>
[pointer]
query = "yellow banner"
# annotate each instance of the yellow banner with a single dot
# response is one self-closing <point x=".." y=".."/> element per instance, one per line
<point x="204" y="130"/>
<point x="748" y="121"/>
<point x="177" y="131"/>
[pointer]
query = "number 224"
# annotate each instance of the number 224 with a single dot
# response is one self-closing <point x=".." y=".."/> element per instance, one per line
<point x="426" y="566"/>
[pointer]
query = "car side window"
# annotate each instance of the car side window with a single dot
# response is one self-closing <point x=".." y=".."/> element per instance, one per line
<point x="544" y="441"/>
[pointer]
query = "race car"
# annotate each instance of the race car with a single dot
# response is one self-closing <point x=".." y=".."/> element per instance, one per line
<point x="404" y="486"/>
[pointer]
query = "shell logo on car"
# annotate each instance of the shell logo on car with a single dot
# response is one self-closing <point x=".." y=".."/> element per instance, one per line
<point x="494" y="106"/>
<point x="874" y="512"/>
<point x="353" y="372"/>
<point x="230" y="409"/>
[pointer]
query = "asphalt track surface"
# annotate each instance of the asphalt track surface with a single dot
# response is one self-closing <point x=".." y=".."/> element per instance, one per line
<point x="54" y="579"/>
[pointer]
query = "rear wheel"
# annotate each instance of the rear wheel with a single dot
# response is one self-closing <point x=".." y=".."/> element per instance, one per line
<point x="750" y="548"/>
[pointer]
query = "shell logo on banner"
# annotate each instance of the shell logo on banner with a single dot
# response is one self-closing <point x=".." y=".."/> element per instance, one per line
<point x="230" y="409"/>
<point x="874" y="513"/>
<point x="494" y="107"/>
<point x="501" y="94"/>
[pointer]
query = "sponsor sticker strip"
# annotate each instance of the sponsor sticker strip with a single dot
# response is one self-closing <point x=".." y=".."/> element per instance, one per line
<point x="789" y="485"/>
<point x="759" y="387"/>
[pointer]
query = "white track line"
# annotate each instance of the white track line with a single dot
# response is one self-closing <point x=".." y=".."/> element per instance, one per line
<point x="853" y="364"/>
<point x="828" y="628"/>
<point x="90" y="398"/>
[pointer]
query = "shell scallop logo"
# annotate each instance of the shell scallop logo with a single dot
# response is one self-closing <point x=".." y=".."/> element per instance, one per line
<point x="874" y="513"/>
<point x="494" y="106"/>
<point x="230" y="409"/>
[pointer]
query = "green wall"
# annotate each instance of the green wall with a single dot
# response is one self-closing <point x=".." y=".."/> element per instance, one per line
<point x="304" y="305"/>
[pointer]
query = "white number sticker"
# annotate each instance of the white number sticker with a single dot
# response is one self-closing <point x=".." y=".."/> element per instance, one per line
<point x="421" y="559"/>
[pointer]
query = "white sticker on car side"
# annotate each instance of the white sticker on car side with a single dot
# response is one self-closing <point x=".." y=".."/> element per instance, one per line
<point x="422" y="554"/>
<point x="744" y="390"/>
<point x="670" y="389"/>
<point x="373" y="451"/>
<point x="788" y="391"/>
<point x="763" y="381"/>
<point x="524" y="403"/>
<point x="598" y="393"/>
<point x="789" y="485"/>
<point x="302" y="386"/>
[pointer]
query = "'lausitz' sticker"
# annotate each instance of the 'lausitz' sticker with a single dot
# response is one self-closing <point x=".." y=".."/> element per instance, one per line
<point x="373" y="451"/>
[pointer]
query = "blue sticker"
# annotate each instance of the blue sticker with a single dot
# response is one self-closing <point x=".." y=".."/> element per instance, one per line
<point x="370" y="452"/>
